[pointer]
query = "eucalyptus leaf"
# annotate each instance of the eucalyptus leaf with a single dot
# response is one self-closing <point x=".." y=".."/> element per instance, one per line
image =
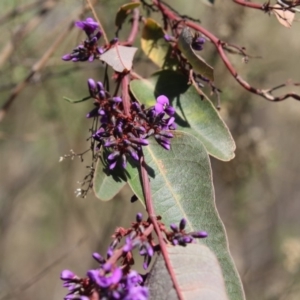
<point x="193" y="115"/>
<point x="197" y="271"/>
<point x="155" y="46"/>
<point x="124" y="11"/>
<point x="199" y="65"/>
<point x="181" y="187"/>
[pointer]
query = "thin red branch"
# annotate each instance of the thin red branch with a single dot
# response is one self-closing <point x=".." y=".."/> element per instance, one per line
<point x="151" y="212"/>
<point x="219" y="46"/>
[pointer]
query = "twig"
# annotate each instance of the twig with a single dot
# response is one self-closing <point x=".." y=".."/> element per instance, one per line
<point x="90" y="4"/>
<point x="219" y="46"/>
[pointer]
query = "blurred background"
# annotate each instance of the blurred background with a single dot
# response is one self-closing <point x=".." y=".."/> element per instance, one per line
<point x="44" y="228"/>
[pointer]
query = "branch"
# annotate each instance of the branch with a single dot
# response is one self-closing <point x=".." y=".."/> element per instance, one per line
<point x="266" y="93"/>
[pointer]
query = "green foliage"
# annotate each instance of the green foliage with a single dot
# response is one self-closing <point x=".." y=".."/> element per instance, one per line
<point x="106" y="186"/>
<point x="181" y="187"/>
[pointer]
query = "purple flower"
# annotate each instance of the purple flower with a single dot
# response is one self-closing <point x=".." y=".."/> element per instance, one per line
<point x="128" y="245"/>
<point x="139" y="217"/>
<point x="161" y="102"/>
<point x="89" y="25"/>
<point x="199" y="234"/>
<point x="67" y="275"/>
<point x="137" y="293"/>
<point x="98" y="258"/>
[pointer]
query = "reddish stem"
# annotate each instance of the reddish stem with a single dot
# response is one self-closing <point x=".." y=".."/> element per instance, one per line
<point x="219" y="46"/>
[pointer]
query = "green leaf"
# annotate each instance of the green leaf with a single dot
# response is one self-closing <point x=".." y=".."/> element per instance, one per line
<point x="181" y="187"/>
<point x="197" y="272"/>
<point x="106" y="185"/>
<point x="193" y="115"/>
<point x="77" y="101"/>
<point x="119" y="57"/>
<point x="199" y="65"/>
<point x="124" y="11"/>
<point x="155" y="46"/>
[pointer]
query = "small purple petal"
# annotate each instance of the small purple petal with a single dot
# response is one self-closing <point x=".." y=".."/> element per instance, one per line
<point x="98" y="258"/>
<point x="170" y="110"/>
<point x="91" y="58"/>
<point x="167" y="38"/>
<point x="100" y="50"/>
<point x="112" y="165"/>
<point x="158" y="108"/>
<point x="139" y="217"/>
<point x="116" y="276"/>
<point x="187" y="239"/>
<point x="199" y="234"/>
<point x="163" y="100"/>
<point x="66" y="57"/>
<point x="91" y="84"/>
<point x="132" y="153"/>
<point x="166" y="134"/>
<point x="175" y="242"/>
<point x="166" y="146"/>
<point x="102" y="94"/>
<point x="171" y="121"/>
<point x="182" y="224"/>
<point x="138" y="141"/>
<point x="110" y="143"/>
<point x="174" y="227"/>
<point x="117" y="99"/>
<point x="150" y="250"/>
<point x="92" y="113"/>
<point x="67" y="274"/>
<point x="124" y="161"/>
<point x="100" y="86"/>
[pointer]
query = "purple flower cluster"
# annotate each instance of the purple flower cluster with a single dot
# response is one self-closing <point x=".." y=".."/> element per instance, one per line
<point x="124" y="135"/>
<point x="89" y="49"/>
<point x="107" y="281"/>
<point x="144" y="246"/>
<point x="178" y="236"/>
